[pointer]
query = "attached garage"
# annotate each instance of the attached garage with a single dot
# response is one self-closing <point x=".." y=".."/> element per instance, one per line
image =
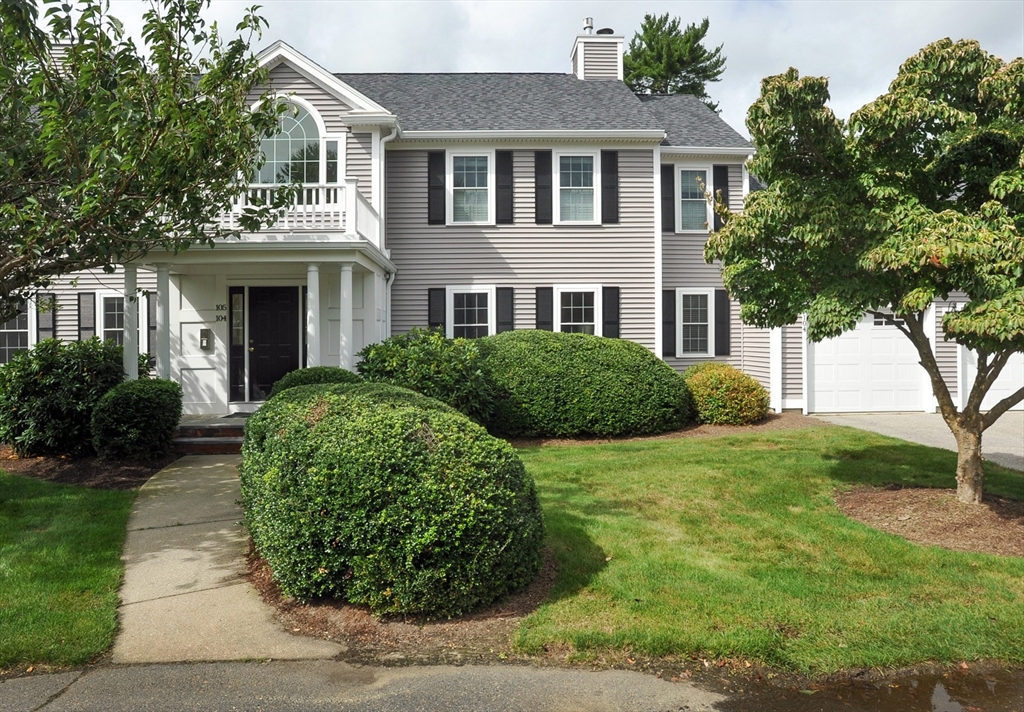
<point x="1010" y="379"/>
<point x="872" y="368"/>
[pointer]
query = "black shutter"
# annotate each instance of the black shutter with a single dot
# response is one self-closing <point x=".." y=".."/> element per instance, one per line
<point x="46" y="316"/>
<point x="436" y="307"/>
<point x="151" y="321"/>
<point x="722" y="321"/>
<point x="86" y="316"/>
<point x="542" y="184"/>
<point x="609" y="187"/>
<point x="546" y="308"/>
<point x="435" y="188"/>
<point x="610" y="312"/>
<point x="668" y="198"/>
<point x="506" y="314"/>
<point x="503" y="187"/>
<point x="668" y="322"/>
<point x="720" y="176"/>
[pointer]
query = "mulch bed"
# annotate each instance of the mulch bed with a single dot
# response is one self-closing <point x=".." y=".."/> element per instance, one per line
<point x="83" y="471"/>
<point x="935" y="517"/>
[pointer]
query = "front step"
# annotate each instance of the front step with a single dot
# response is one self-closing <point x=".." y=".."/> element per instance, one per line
<point x="209" y="438"/>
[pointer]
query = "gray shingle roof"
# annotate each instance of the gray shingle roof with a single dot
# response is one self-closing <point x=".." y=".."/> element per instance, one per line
<point x="504" y="102"/>
<point x="689" y="122"/>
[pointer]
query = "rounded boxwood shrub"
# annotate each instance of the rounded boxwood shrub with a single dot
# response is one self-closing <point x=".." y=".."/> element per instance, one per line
<point x="558" y="384"/>
<point x="314" y="374"/>
<point x="423" y="360"/>
<point x="137" y="420"/>
<point x="47" y="394"/>
<point x="723" y="395"/>
<point x="381" y="496"/>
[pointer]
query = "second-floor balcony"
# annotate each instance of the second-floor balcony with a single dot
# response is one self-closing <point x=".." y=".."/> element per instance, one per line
<point x="339" y="210"/>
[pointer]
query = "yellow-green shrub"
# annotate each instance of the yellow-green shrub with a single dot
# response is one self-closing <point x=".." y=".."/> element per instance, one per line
<point x="723" y="395"/>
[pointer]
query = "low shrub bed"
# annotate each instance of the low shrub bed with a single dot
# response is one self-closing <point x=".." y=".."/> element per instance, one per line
<point x="380" y="496"/>
<point x="137" y="420"/>
<point x="313" y="375"/>
<point x="423" y="360"/>
<point x="724" y="395"/>
<point x="47" y="394"/>
<point x="557" y="384"/>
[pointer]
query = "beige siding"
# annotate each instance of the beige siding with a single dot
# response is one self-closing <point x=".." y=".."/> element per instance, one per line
<point x="358" y="162"/>
<point x="945" y="351"/>
<point x="749" y="347"/>
<point x="523" y="255"/>
<point x="792" y="362"/>
<point x="736" y="188"/>
<point x="285" y="80"/>
<point x="98" y="283"/>
<point x="600" y="60"/>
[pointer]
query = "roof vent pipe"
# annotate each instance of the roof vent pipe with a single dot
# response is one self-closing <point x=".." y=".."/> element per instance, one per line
<point x="588" y="25"/>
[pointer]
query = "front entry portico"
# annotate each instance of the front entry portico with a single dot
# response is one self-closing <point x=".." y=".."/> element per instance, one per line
<point x="240" y="316"/>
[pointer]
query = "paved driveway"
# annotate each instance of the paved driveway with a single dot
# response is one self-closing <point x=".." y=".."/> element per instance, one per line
<point x="1003" y="443"/>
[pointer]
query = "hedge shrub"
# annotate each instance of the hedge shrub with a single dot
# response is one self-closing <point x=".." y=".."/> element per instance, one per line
<point x="384" y="497"/>
<point x="47" y="394"/>
<point x="137" y="420"/>
<point x="312" y="375"/>
<point x="723" y="395"/>
<point x="423" y="360"/>
<point x="558" y="384"/>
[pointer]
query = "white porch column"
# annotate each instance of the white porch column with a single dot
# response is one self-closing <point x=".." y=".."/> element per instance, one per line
<point x="312" y="314"/>
<point x="163" y="321"/>
<point x="131" y="323"/>
<point x="775" y="369"/>
<point x="346" y="355"/>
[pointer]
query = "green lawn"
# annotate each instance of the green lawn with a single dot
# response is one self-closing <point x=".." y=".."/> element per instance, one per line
<point x="733" y="547"/>
<point x="60" y="568"/>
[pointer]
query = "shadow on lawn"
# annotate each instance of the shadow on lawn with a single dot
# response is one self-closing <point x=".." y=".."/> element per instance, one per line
<point x="911" y="465"/>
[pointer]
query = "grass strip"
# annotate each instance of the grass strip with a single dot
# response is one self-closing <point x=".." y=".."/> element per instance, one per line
<point x="733" y="547"/>
<point x="60" y="568"/>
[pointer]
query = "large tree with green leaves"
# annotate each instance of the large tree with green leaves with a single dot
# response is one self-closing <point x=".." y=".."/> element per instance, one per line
<point x="108" y="149"/>
<point x="664" y="58"/>
<point x="918" y="196"/>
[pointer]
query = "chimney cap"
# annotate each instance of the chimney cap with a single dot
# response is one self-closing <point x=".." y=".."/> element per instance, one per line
<point x="606" y="31"/>
<point x="588" y="25"/>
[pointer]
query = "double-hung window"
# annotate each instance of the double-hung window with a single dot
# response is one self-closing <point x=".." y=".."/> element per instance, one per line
<point x="471" y="177"/>
<point x="471" y="312"/>
<point x="113" y="319"/>
<point x="578" y="309"/>
<point x="696" y="322"/>
<point x="13" y="337"/>
<point x="577" y="177"/>
<point x="694" y="211"/>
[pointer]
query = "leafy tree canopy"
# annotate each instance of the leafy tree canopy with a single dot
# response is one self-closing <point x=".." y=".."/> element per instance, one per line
<point x="919" y="196"/>
<point x="664" y="59"/>
<point x="109" y="150"/>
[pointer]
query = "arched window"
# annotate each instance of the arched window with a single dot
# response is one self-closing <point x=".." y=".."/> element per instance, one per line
<point x="294" y="153"/>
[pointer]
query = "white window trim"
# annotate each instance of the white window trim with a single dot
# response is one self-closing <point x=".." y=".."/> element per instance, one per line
<point x="449" y="305"/>
<point x="556" y="186"/>
<point x="449" y="186"/>
<point x="710" y="353"/>
<point x="33" y="331"/>
<point x="709" y="188"/>
<point x="559" y="289"/>
<point x="325" y="136"/>
<point x="140" y="305"/>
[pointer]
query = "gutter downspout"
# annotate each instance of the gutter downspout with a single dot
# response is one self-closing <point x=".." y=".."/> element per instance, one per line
<point x="395" y="131"/>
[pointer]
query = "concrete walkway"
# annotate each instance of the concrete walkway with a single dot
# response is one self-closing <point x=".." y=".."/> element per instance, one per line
<point x="1003" y="443"/>
<point x="184" y="595"/>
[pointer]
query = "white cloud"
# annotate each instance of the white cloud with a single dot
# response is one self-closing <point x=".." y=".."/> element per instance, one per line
<point x="859" y="45"/>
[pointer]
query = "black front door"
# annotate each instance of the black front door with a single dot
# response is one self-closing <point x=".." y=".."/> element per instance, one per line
<point x="273" y="337"/>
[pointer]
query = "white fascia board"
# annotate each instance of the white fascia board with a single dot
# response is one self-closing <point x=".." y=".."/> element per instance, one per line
<point x="707" y="151"/>
<point x="231" y="250"/>
<point x="282" y="52"/>
<point x="558" y="134"/>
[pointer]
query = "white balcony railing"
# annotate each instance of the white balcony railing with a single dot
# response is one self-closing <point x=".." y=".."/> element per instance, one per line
<point x="337" y="208"/>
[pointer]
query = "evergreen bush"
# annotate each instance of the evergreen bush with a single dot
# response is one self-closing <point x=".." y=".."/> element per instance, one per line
<point x="312" y="375"/>
<point x="137" y="420"/>
<point x="724" y="395"/>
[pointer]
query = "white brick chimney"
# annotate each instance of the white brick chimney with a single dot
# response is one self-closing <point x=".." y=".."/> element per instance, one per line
<point x="597" y="55"/>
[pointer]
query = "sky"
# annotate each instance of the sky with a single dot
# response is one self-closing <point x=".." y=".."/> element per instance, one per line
<point x="858" y="44"/>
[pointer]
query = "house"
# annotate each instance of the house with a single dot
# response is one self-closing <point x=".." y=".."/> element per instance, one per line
<point x="477" y="203"/>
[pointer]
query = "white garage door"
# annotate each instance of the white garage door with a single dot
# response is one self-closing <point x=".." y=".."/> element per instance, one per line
<point x="872" y="368"/>
<point x="1010" y="379"/>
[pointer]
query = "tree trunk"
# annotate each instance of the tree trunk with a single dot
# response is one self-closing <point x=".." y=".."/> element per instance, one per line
<point x="970" y="475"/>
